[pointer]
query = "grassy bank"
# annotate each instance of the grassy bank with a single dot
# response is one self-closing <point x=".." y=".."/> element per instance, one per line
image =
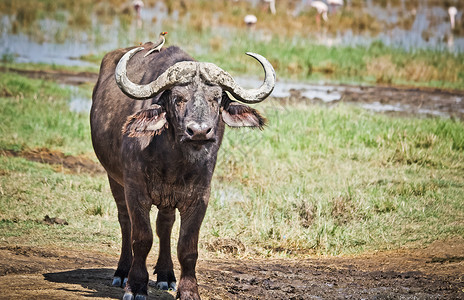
<point x="340" y="180"/>
<point x="316" y="180"/>
<point x="35" y="113"/>
<point x="300" y="58"/>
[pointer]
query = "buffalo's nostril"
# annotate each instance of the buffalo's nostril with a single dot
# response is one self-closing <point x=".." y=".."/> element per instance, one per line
<point x="199" y="131"/>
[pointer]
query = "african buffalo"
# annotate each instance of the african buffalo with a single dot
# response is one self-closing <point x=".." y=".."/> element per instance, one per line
<point x="162" y="151"/>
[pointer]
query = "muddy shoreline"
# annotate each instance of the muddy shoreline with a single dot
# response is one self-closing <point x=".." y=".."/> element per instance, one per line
<point x="423" y="102"/>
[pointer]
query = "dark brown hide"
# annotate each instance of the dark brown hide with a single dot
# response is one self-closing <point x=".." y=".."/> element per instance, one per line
<point x="160" y="151"/>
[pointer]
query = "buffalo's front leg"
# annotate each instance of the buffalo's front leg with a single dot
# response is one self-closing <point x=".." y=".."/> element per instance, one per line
<point x="164" y="267"/>
<point x="139" y="205"/>
<point x="187" y="250"/>
<point x="125" y="260"/>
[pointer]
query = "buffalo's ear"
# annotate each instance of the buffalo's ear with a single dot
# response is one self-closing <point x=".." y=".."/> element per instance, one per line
<point x="239" y="115"/>
<point x="146" y="123"/>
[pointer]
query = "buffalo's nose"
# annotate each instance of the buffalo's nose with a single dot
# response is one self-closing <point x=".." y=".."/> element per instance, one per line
<point x="199" y="131"/>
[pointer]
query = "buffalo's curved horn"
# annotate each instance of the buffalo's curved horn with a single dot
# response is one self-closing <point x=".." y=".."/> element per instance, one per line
<point x="184" y="72"/>
<point x="212" y="73"/>
<point x="180" y="73"/>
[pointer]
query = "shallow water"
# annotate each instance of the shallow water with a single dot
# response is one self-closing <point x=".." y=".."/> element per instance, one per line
<point x="54" y="42"/>
<point x="283" y="89"/>
<point x="430" y="27"/>
<point x="78" y="101"/>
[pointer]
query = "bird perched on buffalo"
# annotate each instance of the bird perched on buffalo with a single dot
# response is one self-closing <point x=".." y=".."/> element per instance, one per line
<point x="158" y="44"/>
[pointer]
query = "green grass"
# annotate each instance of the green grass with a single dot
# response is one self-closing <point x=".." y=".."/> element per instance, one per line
<point x="35" y="113"/>
<point x="330" y="180"/>
<point x="29" y="191"/>
<point x="340" y="180"/>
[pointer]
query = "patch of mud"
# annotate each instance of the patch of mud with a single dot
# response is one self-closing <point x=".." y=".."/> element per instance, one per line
<point x="430" y="102"/>
<point x="61" y="162"/>
<point x="64" y="77"/>
<point x="436" y="272"/>
<point x="404" y="101"/>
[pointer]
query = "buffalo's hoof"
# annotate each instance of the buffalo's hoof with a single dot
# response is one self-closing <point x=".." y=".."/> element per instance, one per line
<point x="165" y="286"/>
<point x="162" y="285"/>
<point x="128" y="296"/>
<point x="118" y="282"/>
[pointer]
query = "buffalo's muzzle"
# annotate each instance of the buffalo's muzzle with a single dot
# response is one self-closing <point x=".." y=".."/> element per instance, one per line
<point x="199" y="132"/>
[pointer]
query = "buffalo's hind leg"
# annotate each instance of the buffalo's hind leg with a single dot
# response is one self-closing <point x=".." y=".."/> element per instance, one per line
<point x="164" y="267"/>
<point x="125" y="260"/>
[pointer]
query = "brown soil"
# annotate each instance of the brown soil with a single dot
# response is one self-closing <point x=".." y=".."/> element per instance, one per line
<point x="61" y="162"/>
<point x="424" y="101"/>
<point x="436" y="272"/>
<point x="397" y="100"/>
<point x="60" y="76"/>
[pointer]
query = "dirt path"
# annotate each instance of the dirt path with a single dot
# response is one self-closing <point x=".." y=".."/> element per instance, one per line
<point x="436" y="272"/>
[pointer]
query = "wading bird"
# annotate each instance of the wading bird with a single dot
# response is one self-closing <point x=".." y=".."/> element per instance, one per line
<point x="138" y="4"/>
<point x="158" y="44"/>
<point x="250" y="20"/>
<point x="272" y="7"/>
<point x="452" y="11"/>
<point x="322" y="9"/>
<point x="333" y="4"/>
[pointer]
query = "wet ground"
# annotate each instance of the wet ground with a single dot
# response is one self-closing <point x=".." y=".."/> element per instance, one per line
<point x="398" y="100"/>
<point x="60" y="161"/>
<point x="436" y="272"/>
<point x="427" y="102"/>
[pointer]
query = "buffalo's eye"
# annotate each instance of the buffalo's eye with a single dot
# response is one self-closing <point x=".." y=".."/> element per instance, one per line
<point x="214" y="103"/>
<point x="179" y="100"/>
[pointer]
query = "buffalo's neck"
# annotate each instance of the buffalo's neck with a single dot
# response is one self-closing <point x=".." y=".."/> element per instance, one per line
<point x="182" y="161"/>
<point x="179" y="173"/>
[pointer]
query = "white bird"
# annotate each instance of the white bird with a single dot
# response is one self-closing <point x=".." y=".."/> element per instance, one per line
<point x="158" y="44"/>
<point x="138" y="4"/>
<point x="335" y="2"/>
<point x="322" y="9"/>
<point x="271" y="6"/>
<point x="452" y="11"/>
<point x="250" y="20"/>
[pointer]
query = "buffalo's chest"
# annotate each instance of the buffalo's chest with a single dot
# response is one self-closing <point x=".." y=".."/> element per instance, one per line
<point x="174" y="194"/>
